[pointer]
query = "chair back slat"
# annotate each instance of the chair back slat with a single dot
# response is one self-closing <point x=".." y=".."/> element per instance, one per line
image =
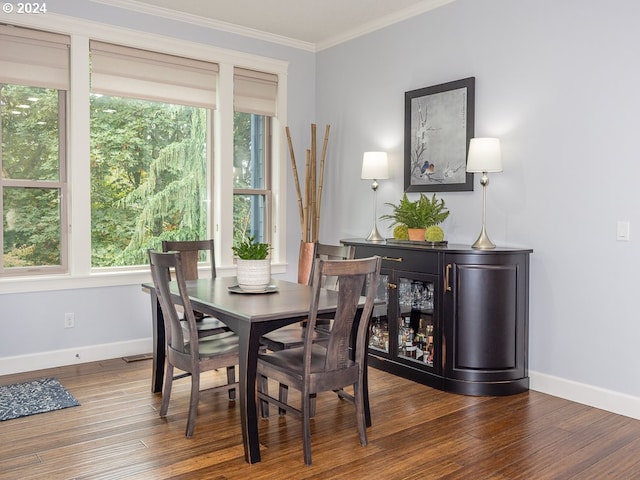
<point x="339" y="341"/>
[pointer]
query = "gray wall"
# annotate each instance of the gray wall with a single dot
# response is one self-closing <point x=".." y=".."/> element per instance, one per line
<point x="556" y="80"/>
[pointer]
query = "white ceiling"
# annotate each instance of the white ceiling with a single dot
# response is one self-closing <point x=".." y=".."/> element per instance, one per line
<point x="310" y="24"/>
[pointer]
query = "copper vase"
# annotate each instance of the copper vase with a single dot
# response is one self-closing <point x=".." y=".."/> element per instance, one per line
<point x="305" y="262"/>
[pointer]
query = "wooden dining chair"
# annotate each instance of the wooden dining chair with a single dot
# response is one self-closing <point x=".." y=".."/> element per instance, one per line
<point x="192" y="252"/>
<point x="292" y="336"/>
<point x="313" y="367"/>
<point x="191" y="357"/>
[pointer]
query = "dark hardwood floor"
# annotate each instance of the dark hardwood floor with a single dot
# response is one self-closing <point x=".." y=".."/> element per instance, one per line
<point x="417" y="433"/>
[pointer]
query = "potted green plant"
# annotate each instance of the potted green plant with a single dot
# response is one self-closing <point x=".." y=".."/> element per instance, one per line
<point x="253" y="265"/>
<point x="417" y="216"/>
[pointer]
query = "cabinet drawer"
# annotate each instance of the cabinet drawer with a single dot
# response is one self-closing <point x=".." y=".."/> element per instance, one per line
<point x="401" y="259"/>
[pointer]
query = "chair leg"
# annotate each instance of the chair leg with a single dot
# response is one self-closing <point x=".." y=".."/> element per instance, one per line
<point x="193" y="403"/>
<point x="166" y="393"/>
<point x="306" y="427"/>
<point x="263" y="387"/>
<point x="360" y="417"/>
<point x="312" y="406"/>
<point x="283" y="394"/>
<point x="231" y="378"/>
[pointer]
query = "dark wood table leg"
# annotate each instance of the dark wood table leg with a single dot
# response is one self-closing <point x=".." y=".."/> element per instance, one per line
<point x="157" y="368"/>
<point x="249" y="343"/>
<point x="250" y="334"/>
<point x="365" y="389"/>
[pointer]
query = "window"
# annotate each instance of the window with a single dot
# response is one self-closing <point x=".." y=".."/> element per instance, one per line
<point x="149" y="158"/>
<point x="254" y="105"/>
<point x="34" y="80"/>
<point x="251" y="180"/>
<point x="148" y="177"/>
<point x="131" y="147"/>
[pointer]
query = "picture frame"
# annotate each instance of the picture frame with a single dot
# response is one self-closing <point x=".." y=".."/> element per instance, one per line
<point x="438" y="125"/>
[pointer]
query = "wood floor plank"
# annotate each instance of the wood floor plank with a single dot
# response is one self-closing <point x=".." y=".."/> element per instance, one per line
<point x="417" y="433"/>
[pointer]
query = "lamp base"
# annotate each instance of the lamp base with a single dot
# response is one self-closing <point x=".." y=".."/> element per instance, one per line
<point x="483" y="242"/>
<point x="375" y="236"/>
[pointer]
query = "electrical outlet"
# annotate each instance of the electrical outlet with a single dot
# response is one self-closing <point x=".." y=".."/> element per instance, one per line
<point x="69" y="320"/>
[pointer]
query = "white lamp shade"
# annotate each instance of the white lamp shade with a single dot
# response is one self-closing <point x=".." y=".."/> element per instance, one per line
<point x="484" y="155"/>
<point x="375" y="166"/>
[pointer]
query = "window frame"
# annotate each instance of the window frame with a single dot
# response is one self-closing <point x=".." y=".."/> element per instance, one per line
<point x="61" y="185"/>
<point x="265" y="192"/>
<point x="80" y="274"/>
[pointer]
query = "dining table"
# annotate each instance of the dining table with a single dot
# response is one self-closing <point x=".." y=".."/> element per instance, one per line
<point x="249" y="315"/>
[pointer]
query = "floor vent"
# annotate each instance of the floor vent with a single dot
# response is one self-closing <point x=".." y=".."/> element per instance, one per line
<point x="137" y="358"/>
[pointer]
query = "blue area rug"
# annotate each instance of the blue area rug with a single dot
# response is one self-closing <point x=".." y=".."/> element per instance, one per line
<point x="38" y="396"/>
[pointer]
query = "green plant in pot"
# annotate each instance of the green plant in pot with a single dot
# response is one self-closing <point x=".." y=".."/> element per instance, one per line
<point x="419" y="219"/>
<point x="253" y="264"/>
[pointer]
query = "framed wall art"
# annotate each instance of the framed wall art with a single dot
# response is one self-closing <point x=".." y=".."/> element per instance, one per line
<point x="438" y="124"/>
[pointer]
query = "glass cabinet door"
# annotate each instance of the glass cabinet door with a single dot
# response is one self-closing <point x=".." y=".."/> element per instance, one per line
<point x="379" y="325"/>
<point x="404" y="326"/>
<point x="415" y="321"/>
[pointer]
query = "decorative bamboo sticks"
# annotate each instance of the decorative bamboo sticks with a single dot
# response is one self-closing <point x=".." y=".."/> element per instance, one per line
<point x="295" y="178"/>
<point x="309" y="204"/>
<point x="321" y="181"/>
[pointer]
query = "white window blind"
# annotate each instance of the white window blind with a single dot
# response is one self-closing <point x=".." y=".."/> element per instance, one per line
<point x="254" y="92"/>
<point x="131" y="72"/>
<point x="34" y="58"/>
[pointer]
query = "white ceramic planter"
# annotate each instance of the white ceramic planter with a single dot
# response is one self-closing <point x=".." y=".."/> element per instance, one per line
<point x="254" y="275"/>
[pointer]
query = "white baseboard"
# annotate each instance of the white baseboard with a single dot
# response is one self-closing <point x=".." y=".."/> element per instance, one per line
<point x="597" y="397"/>
<point x="608" y="400"/>
<point x="74" y="356"/>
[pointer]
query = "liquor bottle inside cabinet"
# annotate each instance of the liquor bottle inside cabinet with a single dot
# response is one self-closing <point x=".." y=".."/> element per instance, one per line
<point x="379" y="334"/>
<point x="415" y="320"/>
<point x="410" y="346"/>
<point x="406" y="345"/>
<point x="428" y="354"/>
<point x="421" y="346"/>
<point x="402" y="337"/>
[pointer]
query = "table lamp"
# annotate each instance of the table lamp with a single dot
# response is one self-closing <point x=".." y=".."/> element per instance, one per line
<point x="375" y="166"/>
<point x="484" y="156"/>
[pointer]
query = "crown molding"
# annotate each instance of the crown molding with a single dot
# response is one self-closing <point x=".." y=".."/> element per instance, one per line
<point x="404" y="14"/>
<point x="133" y="5"/>
<point x="383" y="22"/>
<point x="162" y="12"/>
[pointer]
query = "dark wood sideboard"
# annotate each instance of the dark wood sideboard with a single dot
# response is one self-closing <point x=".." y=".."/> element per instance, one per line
<point x="455" y="318"/>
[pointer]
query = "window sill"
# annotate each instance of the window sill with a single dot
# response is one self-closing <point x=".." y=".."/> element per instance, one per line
<point x="97" y="280"/>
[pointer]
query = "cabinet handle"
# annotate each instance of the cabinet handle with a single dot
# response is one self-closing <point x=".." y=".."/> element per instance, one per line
<point x="391" y="285"/>
<point x="393" y="259"/>
<point x="447" y="287"/>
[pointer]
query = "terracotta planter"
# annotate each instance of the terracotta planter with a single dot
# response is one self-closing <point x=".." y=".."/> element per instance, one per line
<point x="254" y="275"/>
<point x="417" y="234"/>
